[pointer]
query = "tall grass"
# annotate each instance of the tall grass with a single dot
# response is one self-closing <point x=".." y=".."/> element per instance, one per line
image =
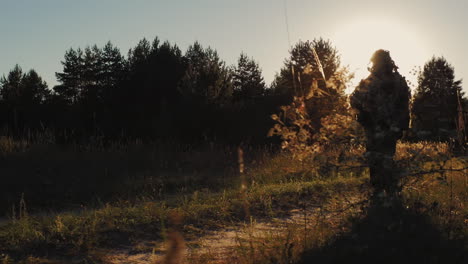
<point x="79" y="232"/>
<point x="201" y="184"/>
<point x="69" y="177"/>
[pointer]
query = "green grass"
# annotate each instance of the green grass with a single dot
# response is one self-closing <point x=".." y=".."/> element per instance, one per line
<point x="120" y="224"/>
<point x="275" y="184"/>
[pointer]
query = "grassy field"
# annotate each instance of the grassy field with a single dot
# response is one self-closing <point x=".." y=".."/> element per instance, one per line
<point x="156" y="190"/>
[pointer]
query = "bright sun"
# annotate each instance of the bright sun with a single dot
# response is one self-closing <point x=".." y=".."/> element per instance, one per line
<point x="358" y="40"/>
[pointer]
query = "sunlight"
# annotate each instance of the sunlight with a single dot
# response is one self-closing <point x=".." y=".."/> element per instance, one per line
<point x="358" y="40"/>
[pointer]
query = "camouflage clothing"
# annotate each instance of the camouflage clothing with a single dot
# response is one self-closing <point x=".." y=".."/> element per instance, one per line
<point x="382" y="103"/>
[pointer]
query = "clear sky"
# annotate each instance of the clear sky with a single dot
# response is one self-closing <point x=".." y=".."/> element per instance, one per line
<point x="36" y="33"/>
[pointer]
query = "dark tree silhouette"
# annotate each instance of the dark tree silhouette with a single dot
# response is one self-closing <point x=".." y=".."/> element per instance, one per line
<point x="23" y="96"/>
<point x="247" y="79"/>
<point x="11" y="85"/>
<point x="89" y="84"/>
<point x="139" y="55"/>
<point x="435" y="103"/>
<point x="35" y="90"/>
<point x="71" y="77"/>
<point x="157" y="91"/>
<point x="207" y="78"/>
<point x="113" y="68"/>
<point x="150" y="93"/>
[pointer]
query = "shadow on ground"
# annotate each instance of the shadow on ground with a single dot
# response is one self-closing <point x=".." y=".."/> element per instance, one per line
<point x="391" y="235"/>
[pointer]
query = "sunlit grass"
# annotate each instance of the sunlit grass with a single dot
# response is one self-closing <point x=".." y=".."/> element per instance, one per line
<point x="275" y="184"/>
<point x="79" y="232"/>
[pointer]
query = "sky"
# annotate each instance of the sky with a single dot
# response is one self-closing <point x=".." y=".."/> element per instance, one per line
<point x="35" y="34"/>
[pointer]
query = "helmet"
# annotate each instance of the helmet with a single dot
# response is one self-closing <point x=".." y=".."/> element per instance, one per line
<point x="382" y="62"/>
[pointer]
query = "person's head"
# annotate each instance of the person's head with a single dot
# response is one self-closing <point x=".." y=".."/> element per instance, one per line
<point x="382" y="62"/>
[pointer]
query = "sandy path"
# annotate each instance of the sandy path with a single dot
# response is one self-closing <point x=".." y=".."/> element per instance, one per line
<point x="218" y="245"/>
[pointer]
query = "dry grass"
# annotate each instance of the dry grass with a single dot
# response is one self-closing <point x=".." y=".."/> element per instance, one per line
<point x="274" y="183"/>
<point x="424" y="150"/>
<point x="443" y="195"/>
<point x="76" y="233"/>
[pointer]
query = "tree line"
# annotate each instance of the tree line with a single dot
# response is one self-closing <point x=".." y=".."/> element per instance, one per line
<point x="157" y="91"/>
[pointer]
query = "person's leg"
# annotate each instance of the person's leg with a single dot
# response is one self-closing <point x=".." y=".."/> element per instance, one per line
<point x="379" y="156"/>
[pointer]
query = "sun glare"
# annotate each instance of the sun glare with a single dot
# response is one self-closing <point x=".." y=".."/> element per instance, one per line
<point x="358" y="39"/>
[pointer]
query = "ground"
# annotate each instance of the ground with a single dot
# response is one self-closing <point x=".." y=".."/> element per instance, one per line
<point x="288" y="212"/>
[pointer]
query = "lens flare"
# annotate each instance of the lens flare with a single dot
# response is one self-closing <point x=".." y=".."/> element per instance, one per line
<point x="358" y="39"/>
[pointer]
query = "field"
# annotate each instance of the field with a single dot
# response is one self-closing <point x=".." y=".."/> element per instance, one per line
<point x="169" y="203"/>
<point x="280" y="132"/>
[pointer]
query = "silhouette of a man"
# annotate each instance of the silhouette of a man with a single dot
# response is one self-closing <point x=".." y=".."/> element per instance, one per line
<point x="382" y="103"/>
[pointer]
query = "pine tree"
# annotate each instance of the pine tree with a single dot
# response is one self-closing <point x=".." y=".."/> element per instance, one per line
<point x="207" y="78"/>
<point x="91" y="92"/>
<point x="247" y="78"/>
<point x="11" y="85"/>
<point x="71" y="78"/>
<point x="435" y="102"/>
<point x="154" y="72"/>
<point x="139" y="55"/>
<point x="35" y="91"/>
<point x="22" y="96"/>
<point x="112" y="66"/>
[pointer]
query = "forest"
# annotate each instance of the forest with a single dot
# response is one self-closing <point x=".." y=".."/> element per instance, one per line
<point x="159" y="92"/>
